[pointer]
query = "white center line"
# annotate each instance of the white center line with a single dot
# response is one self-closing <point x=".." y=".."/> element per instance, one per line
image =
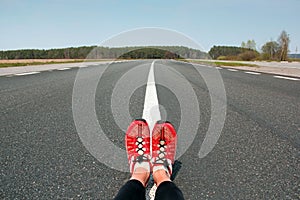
<point x="287" y="78"/>
<point x="151" y="111"/>
<point x="62" y="69"/>
<point x="254" y="73"/>
<point x="232" y="70"/>
<point x="26" y="73"/>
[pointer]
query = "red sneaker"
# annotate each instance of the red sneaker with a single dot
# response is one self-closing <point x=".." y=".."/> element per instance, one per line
<point x="164" y="140"/>
<point x="137" y="141"/>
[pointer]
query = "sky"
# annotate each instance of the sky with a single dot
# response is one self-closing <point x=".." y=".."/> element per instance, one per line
<point x="45" y="24"/>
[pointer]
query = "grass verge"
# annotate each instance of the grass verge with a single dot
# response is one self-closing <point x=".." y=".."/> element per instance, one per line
<point x="19" y="64"/>
<point x="234" y="64"/>
<point x="220" y="63"/>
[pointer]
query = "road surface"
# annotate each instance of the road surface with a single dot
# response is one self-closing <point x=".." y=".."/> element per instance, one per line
<point x="256" y="156"/>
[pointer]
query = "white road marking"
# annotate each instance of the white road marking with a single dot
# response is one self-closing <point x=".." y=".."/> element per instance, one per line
<point x="62" y="69"/>
<point x="151" y="111"/>
<point x="26" y="73"/>
<point x="232" y="70"/>
<point x="254" y="73"/>
<point x="83" y="66"/>
<point x="287" y="78"/>
<point x="219" y="68"/>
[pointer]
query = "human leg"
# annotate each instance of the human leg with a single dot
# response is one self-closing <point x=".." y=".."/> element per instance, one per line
<point x="133" y="189"/>
<point x="167" y="190"/>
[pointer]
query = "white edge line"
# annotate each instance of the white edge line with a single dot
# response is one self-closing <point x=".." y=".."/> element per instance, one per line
<point x="26" y="73"/>
<point x="287" y="78"/>
<point x="232" y="70"/>
<point x="254" y="73"/>
<point x="62" y="69"/>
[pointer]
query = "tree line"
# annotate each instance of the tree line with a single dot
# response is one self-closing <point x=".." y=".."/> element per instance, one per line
<point x="272" y="50"/>
<point x="150" y="53"/>
<point x="97" y="52"/>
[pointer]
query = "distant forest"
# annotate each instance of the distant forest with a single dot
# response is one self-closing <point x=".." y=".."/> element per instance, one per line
<point x="94" y="52"/>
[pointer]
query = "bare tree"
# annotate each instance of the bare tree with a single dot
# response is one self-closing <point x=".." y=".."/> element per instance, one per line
<point x="284" y="41"/>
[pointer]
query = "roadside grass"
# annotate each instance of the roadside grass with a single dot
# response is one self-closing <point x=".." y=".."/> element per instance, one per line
<point x="234" y="64"/>
<point x="2" y="65"/>
<point x="19" y="64"/>
<point x="220" y="63"/>
<point x="294" y="59"/>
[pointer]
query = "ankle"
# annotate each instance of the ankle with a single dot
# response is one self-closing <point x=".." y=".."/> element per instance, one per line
<point x="141" y="174"/>
<point x="160" y="176"/>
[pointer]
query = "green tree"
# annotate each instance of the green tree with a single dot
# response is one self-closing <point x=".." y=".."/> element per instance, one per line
<point x="270" y="50"/>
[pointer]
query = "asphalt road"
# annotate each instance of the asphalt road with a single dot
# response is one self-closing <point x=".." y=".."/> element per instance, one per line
<point x="256" y="157"/>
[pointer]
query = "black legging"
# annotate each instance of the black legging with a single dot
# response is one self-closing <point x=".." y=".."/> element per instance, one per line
<point x="134" y="190"/>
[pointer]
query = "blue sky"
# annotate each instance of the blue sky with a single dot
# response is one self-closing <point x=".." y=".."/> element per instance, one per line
<point x="48" y="24"/>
